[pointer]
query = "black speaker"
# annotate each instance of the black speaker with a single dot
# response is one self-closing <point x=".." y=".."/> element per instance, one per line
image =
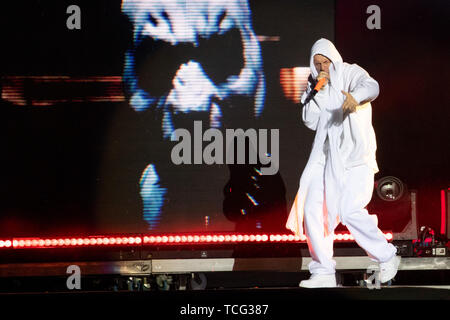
<point x="395" y="207"/>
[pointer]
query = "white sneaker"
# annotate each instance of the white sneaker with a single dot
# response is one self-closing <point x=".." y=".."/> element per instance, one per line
<point x="319" y="281"/>
<point x="388" y="269"/>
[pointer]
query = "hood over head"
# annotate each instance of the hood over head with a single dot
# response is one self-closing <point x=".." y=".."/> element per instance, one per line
<point x="326" y="48"/>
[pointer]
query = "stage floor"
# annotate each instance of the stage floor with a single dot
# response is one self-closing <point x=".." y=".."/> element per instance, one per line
<point x="242" y="303"/>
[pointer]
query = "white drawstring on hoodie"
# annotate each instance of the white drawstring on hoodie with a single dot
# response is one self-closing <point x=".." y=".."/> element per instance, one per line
<point x="351" y="139"/>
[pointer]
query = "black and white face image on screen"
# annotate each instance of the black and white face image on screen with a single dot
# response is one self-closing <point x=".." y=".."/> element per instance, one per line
<point x="154" y="116"/>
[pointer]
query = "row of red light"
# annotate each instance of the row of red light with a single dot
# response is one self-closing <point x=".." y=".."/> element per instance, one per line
<point x="216" y="238"/>
<point x="19" y="243"/>
<point x="69" y="242"/>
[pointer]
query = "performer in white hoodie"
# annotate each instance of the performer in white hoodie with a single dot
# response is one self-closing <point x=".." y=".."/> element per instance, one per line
<point x="337" y="182"/>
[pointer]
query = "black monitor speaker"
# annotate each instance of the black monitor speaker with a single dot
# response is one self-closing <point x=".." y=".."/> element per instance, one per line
<point x="395" y="207"/>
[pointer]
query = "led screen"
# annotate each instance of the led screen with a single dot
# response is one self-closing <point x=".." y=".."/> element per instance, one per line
<point x="154" y="116"/>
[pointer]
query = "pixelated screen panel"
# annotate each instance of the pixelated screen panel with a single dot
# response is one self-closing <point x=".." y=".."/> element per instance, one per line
<point x="123" y="116"/>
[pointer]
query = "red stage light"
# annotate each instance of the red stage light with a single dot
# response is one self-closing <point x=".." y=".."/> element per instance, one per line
<point x="443" y="212"/>
<point x="5" y="243"/>
<point x="19" y="243"/>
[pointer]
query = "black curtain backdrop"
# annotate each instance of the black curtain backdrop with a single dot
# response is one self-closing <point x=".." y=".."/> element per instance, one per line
<point x="408" y="56"/>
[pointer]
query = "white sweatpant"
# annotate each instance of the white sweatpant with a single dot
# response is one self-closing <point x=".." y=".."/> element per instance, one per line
<point x="355" y="196"/>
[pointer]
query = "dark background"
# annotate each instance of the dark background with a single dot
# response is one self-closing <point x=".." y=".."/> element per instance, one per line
<point x="409" y="58"/>
<point x="74" y="167"/>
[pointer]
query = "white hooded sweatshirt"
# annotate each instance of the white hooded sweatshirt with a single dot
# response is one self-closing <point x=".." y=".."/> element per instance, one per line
<point x="342" y="140"/>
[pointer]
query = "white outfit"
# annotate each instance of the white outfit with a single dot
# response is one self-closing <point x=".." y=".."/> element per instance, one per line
<point x="337" y="182"/>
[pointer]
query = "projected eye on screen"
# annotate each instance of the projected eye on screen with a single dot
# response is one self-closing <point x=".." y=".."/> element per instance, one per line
<point x="92" y="115"/>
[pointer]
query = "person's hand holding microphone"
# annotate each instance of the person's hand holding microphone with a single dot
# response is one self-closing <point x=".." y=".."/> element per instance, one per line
<point x="323" y="75"/>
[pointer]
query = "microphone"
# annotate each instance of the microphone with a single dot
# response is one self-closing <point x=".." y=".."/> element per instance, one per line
<point x="316" y="89"/>
<point x="319" y="85"/>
